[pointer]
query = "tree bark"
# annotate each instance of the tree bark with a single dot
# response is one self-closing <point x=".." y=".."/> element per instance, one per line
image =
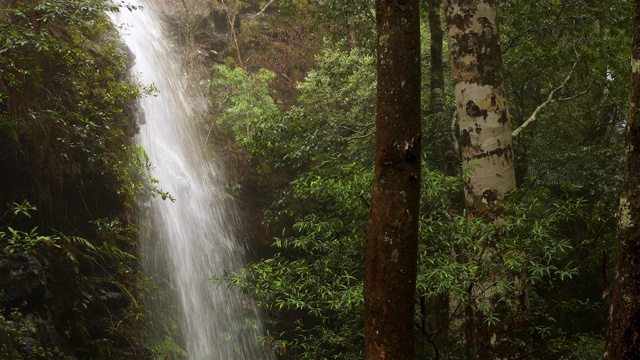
<point x="481" y="101"/>
<point x="623" y="338"/>
<point x="485" y="131"/>
<point x="392" y="229"/>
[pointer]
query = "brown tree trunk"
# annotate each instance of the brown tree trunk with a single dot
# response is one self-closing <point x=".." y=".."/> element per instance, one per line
<point x="623" y="338"/>
<point x="481" y="100"/>
<point x="392" y="230"/>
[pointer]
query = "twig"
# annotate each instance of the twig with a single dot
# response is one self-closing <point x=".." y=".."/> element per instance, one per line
<point x="431" y="341"/>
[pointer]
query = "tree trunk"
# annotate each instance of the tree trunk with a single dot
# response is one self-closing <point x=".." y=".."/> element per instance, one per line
<point x="481" y="100"/>
<point x="392" y="230"/>
<point x="485" y="132"/>
<point x="436" y="99"/>
<point x="623" y="338"/>
<point x="435" y="311"/>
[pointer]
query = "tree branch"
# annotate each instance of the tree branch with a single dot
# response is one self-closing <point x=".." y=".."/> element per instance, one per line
<point x="573" y="96"/>
<point x="260" y="12"/>
<point x="550" y="100"/>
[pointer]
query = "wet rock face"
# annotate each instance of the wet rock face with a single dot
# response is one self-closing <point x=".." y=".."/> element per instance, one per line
<point x="22" y="280"/>
<point x="114" y="300"/>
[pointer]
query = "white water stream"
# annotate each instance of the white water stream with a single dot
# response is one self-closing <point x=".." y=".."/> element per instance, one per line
<point x="192" y="238"/>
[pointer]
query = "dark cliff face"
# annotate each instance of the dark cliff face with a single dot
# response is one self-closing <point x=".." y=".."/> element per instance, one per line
<point x="22" y="282"/>
<point x="68" y="271"/>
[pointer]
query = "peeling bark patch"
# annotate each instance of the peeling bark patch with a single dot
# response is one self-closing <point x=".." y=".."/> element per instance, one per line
<point x="465" y="138"/>
<point x="460" y="21"/>
<point x="475" y="111"/>
<point x="411" y="153"/>
<point x="485" y="21"/>
<point x="489" y="197"/>
<point x="506" y="151"/>
<point x="504" y="118"/>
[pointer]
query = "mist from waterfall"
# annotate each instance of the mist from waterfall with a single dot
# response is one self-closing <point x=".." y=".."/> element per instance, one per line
<point x="183" y="243"/>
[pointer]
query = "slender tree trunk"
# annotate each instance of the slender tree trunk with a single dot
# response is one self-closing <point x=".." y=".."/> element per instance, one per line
<point x="353" y="38"/>
<point x="232" y="14"/>
<point x="623" y="338"/>
<point x="481" y="100"/>
<point x="435" y="311"/>
<point x="392" y="230"/>
<point x="436" y="99"/>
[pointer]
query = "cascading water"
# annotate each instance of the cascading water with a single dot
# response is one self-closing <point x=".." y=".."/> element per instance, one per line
<point x="190" y="239"/>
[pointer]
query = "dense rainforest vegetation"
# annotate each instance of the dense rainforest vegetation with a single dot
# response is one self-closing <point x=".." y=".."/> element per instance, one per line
<point x="291" y="86"/>
<point x="69" y="174"/>
<point x="534" y="284"/>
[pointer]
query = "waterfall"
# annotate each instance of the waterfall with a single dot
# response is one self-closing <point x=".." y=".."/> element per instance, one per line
<point x="191" y="239"/>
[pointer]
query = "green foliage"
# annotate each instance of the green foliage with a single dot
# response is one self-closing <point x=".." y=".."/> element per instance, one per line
<point x="525" y="249"/>
<point x="25" y="242"/>
<point x="321" y="145"/>
<point x="18" y="241"/>
<point x="581" y="347"/>
<point x="333" y="117"/>
<point x="318" y="276"/>
<point x="135" y="171"/>
<point x="339" y="99"/>
<point x="65" y="258"/>
<point x="167" y="349"/>
<point x="23" y="209"/>
<point x="354" y="19"/>
<point x="62" y="88"/>
<point x="74" y="248"/>
<point x="577" y="139"/>
<point x="240" y="99"/>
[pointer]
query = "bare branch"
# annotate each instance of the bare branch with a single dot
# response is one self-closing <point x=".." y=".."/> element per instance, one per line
<point x="260" y="12"/>
<point x="550" y="100"/>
